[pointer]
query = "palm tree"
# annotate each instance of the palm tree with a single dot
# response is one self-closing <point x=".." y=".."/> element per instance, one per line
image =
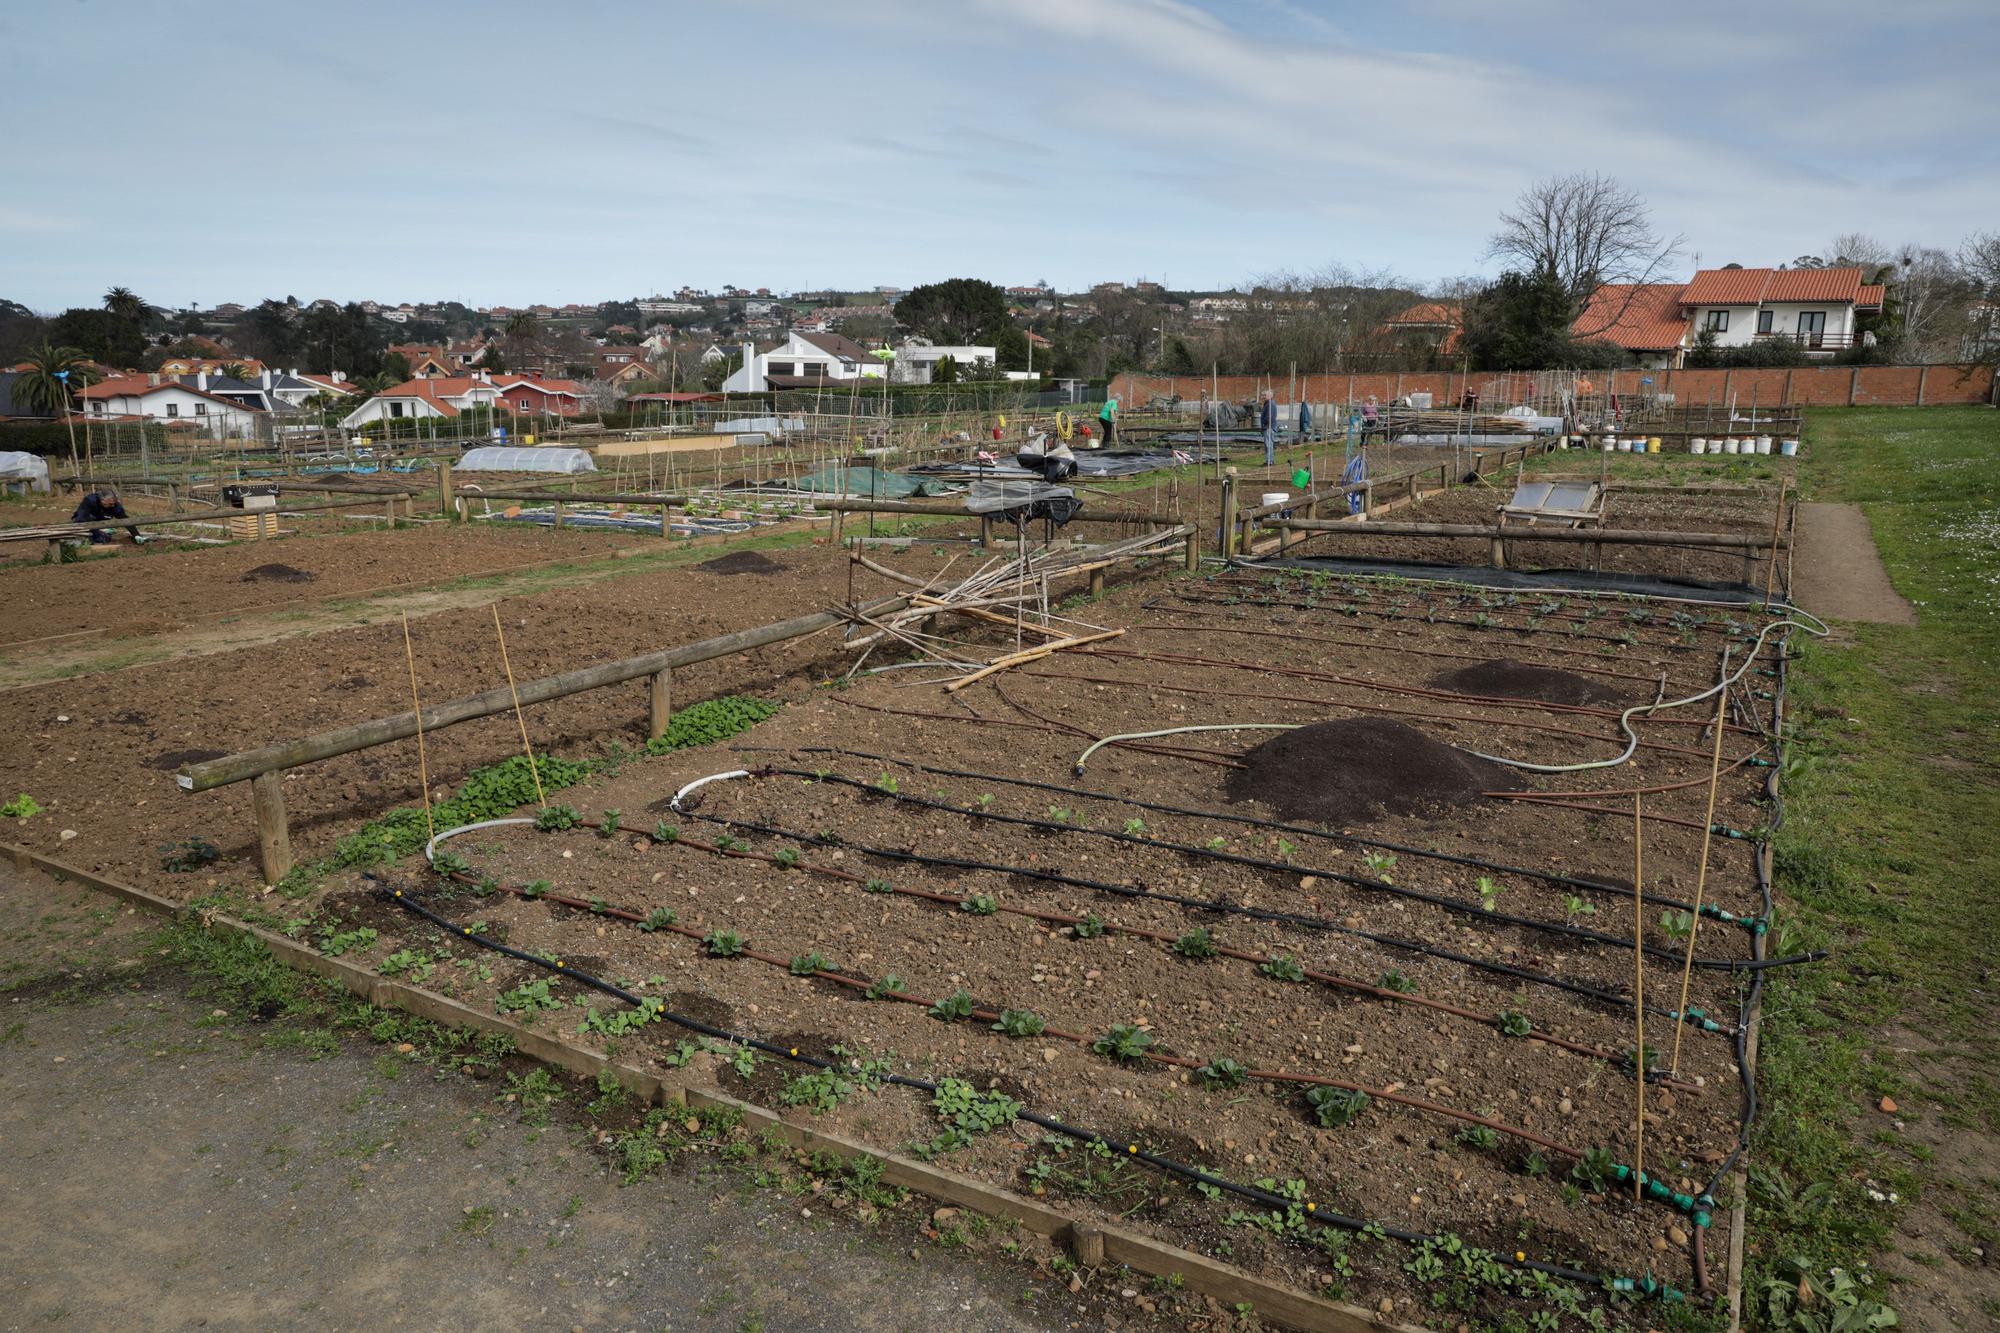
<point x="52" y="378"/>
<point x="523" y="325"/>
<point x="235" y="370"/>
<point x="125" y="304"/>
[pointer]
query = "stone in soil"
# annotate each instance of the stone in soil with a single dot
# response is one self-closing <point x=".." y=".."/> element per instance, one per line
<point x="1350" y="770"/>
<point x="1504" y="678"/>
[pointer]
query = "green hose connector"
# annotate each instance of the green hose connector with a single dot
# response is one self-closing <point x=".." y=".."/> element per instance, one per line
<point x="1697" y="1019"/>
<point x="1663" y="1193"/>
<point x="1645" y="1286"/>
<point x="1728" y="832"/>
<point x="1761" y="763"/>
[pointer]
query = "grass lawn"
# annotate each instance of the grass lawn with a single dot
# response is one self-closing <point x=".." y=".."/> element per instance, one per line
<point x="1890" y="857"/>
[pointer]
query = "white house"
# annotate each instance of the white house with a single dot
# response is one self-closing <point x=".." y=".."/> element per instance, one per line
<point x="803" y="359"/>
<point x="1659" y="322"/>
<point x="916" y="363"/>
<point x="191" y="405"/>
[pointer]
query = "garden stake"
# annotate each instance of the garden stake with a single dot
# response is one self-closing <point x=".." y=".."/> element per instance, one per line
<point x="1777" y="522"/>
<point x="1639" y="993"/>
<point x="527" y="749"/>
<point x="423" y="766"/>
<point x="1701" y="873"/>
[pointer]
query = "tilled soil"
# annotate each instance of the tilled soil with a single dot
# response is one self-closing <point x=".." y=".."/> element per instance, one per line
<point x="1346" y="771"/>
<point x="1334" y="894"/>
<point x="1515" y="680"/>
<point x="156" y="588"/>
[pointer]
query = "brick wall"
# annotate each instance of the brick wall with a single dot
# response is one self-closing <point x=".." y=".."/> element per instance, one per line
<point x="1822" y="386"/>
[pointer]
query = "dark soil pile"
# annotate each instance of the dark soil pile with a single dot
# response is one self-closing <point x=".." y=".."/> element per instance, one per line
<point x="277" y="574"/>
<point x="1345" y="772"/>
<point x="1507" y="679"/>
<point x="742" y="562"/>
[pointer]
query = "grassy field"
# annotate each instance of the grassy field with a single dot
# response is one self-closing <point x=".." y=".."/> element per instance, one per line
<point x="1890" y="857"/>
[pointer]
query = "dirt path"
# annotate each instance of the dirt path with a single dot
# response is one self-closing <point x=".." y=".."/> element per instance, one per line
<point x="172" y="1165"/>
<point x="1838" y="574"/>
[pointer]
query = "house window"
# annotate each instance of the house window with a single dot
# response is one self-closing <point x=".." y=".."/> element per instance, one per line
<point x="1764" y="321"/>
<point x="395" y="409"/>
<point x="201" y="409"/>
<point x="1716" y="321"/>
<point x="525" y="405"/>
<point x="97" y="406"/>
<point x="1812" y="326"/>
<point x="173" y="409"/>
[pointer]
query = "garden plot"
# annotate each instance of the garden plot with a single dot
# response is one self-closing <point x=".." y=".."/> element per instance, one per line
<point x="1406" y="1003"/>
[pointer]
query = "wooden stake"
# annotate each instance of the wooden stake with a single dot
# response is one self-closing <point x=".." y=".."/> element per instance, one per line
<point x="1701" y="874"/>
<point x="533" y="770"/>
<point x="1777" y="523"/>
<point x="1639" y="992"/>
<point x="417" y="705"/>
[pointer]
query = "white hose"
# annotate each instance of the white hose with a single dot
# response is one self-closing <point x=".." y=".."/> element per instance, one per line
<point x="1084" y="758"/>
<point x="1625" y="718"/>
<point x="430" y="848"/>
<point x="703" y="782"/>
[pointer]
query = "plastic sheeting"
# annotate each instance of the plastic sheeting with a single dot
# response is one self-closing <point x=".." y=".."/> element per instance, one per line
<point x="542" y="458"/>
<point x="867" y="483"/>
<point x="25" y="470"/>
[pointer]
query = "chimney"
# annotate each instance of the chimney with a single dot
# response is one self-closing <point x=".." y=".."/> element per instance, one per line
<point x="264" y="378"/>
<point x="201" y="380"/>
<point x="153" y="379"/>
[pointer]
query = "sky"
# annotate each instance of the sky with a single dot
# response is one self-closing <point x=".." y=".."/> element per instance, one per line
<point x="512" y="153"/>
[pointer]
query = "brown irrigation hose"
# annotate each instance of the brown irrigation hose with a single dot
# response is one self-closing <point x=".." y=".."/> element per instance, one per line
<point x="1538" y="799"/>
<point x="1382" y="709"/>
<point x="1359" y="643"/>
<point x="1386" y="1094"/>
<point x="1626" y="791"/>
<point x="1190" y="753"/>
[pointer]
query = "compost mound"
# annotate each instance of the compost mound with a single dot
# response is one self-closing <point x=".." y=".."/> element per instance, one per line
<point x="277" y="574"/>
<point x="1507" y="679"/>
<point x="1348" y="771"/>
<point x="741" y="562"/>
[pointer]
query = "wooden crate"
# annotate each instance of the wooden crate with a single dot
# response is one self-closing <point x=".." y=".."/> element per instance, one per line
<point x="248" y="527"/>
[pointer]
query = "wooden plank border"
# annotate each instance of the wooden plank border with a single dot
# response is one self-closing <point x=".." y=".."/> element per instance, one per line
<point x="1120" y="1245"/>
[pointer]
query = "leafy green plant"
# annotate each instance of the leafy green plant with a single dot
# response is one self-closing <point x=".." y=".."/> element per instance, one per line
<point x="808" y="963"/>
<point x="1534" y="1164"/>
<point x="1197" y="944"/>
<point x="540" y="888"/>
<point x="1283" y="968"/>
<point x="607" y="826"/>
<point x="555" y="818"/>
<point x="1285" y="851"/>
<point x="723" y="944"/>
<point x="1087" y="929"/>
<point x="23" y="806"/>
<point x="1574" y="907"/>
<point x="527" y="998"/>
<point x="1216" y="844"/>
<point x="1020" y="1023"/>
<point x="658" y="919"/>
<point x="710" y="721"/>
<point x="335" y="943"/>
<point x="665" y="832"/>
<point x="878" y="886"/>
<point x="1479" y="1137"/>
<point x="887" y="784"/>
<point x="966" y="1112"/>
<point x="622" y="1022"/>
<point x="1397" y="982"/>
<point x="1222" y="1072"/>
<point x="1515" y="1023"/>
<point x="888" y="984"/>
<point x="449" y="863"/>
<point x="1135" y="827"/>
<point x="1380" y="864"/>
<point x="1335" y="1107"/>
<point x="979" y="904"/>
<point x="176" y="858"/>
<point x="785" y="858"/>
<point x="953" y="1007"/>
<point x="1124" y="1042"/>
<point x="1489" y="893"/>
<point x="413" y="961"/>
<point x="983" y="800"/>
<point x="1059" y="814"/>
<point x="1678" y="925"/>
<point x="1803" y="1300"/>
<point x="1594" y="1170"/>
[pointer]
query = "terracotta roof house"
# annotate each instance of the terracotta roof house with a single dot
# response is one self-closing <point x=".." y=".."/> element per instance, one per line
<point x="444" y="396"/>
<point x="1658" y="322"/>
<point x="1433" y="325"/>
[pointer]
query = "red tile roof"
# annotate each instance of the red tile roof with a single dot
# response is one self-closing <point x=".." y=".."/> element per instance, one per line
<point x="1430" y="312"/>
<point x="1870" y="296"/>
<point x="1727" y="286"/>
<point x="1641" y="317"/>
<point x="1814" y="284"/>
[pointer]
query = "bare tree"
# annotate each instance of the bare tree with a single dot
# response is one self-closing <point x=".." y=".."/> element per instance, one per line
<point x="1587" y="230"/>
<point x="1934" y="298"/>
<point x="1979" y="256"/>
<point x="1859" y="250"/>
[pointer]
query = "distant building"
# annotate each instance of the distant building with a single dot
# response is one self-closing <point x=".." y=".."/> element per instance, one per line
<point x="446" y="396"/>
<point x="1737" y="307"/>
<point x="804" y="360"/>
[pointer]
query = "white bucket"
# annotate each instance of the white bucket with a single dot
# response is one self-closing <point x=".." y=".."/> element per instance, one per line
<point x="1729" y="445"/>
<point x="1276" y="498"/>
<point x="1789" y="448"/>
<point x="1698" y="445"/>
<point x="1610" y="443"/>
<point x="1763" y="444"/>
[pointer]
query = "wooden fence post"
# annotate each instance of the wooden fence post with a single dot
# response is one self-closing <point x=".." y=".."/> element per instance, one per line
<point x="1853" y="384"/>
<point x="1193" y="558"/>
<point x="559" y="515"/>
<point x="1228" y="513"/>
<point x="1088" y="1242"/>
<point x="1097" y="581"/>
<point x="445" y="507"/>
<point x="1923" y="377"/>
<point x="274" y="839"/>
<point x="662" y="702"/>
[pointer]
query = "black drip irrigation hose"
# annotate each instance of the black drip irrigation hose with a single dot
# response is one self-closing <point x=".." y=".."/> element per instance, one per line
<point x="1266" y="1199"/>
<point x="1610" y="998"/>
<point x="1277" y="825"/>
<point x="1276" y="867"/>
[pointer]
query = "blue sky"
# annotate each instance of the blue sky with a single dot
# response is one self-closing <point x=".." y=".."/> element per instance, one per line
<point x="508" y="152"/>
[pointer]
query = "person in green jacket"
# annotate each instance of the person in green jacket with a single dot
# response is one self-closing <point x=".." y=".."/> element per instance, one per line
<point x="1107" y="421"/>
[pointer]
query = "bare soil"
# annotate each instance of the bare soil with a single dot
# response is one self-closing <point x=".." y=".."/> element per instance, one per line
<point x="1346" y="771"/>
<point x="1838" y="572"/>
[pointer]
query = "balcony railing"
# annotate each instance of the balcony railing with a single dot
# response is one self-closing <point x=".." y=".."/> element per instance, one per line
<point x="1812" y="342"/>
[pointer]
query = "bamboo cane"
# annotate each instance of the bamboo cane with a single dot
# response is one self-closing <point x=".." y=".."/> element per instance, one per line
<point x="1701" y="874"/>
<point x="534" y="771"/>
<point x="1639" y="993"/>
<point x="423" y="764"/>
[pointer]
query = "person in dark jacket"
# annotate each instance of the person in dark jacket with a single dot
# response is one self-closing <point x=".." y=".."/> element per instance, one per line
<point x="97" y="506"/>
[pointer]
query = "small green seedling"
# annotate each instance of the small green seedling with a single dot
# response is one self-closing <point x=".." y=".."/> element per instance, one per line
<point x="1380" y="864"/>
<point x="979" y="904"/>
<point x="890" y="984"/>
<point x="1222" y="1073"/>
<point x="1677" y="925"/>
<point x="1283" y="968"/>
<point x="658" y="919"/>
<point x="665" y="832"/>
<point x="808" y="963"/>
<point x="953" y="1007"/>
<point x="1594" y="1170"/>
<point x="1124" y="1042"/>
<point x="1020" y="1023"/>
<point x="1334" y="1107"/>
<point x="1135" y="827"/>
<point x="554" y="818"/>
<point x="1398" y="983"/>
<point x="785" y="858"/>
<point x="1087" y="929"/>
<point x="1515" y="1024"/>
<point x="723" y="944"/>
<point x="22" y="806"/>
<point x="608" y="825"/>
<point x="1479" y="1137"/>
<point x="1489" y="893"/>
<point x="1574" y="907"/>
<point x="878" y="886"/>
<point x="1197" y="944"/>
